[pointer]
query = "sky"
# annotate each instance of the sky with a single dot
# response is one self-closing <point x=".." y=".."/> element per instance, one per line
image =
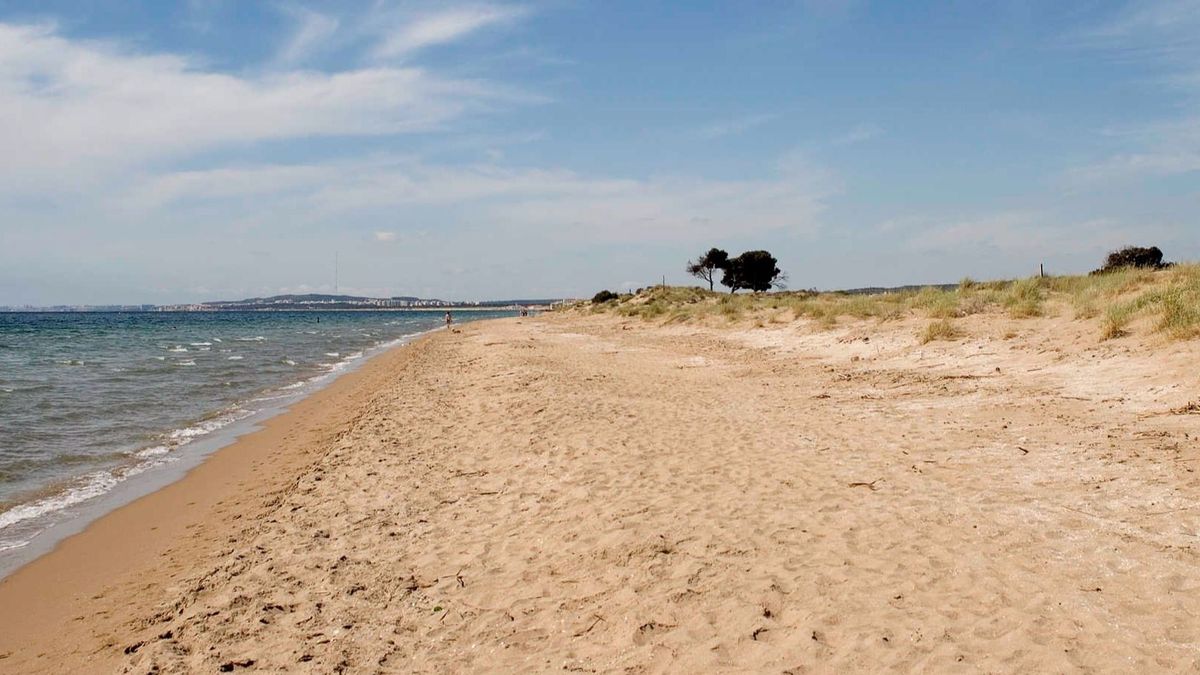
<point x="159" y="152"/>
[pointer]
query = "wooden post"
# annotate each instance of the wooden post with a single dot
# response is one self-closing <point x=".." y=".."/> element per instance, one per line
<point x="1042" y="269"/>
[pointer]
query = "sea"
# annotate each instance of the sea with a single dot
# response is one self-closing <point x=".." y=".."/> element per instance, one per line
<point x="99" y="408"/>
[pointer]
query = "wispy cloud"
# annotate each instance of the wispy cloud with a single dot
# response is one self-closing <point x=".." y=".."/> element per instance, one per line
<point x="540" y="203"/>
<point x="1136" y="20"/>
<point x="442" y="27"/>
<point x="859" y="134"/>
<point x="734" y="126"/>
<point x="381" y="235"/>
<point x="312" y="31"/>
<point x="1133" y="166"/>
<point x="1034" y="234"/>
<point x="78" y="107"/>
<point x="1164" y="36"/>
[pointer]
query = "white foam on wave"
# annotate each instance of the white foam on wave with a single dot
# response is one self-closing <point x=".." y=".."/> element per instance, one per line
<point x="187" y="362"/>
<point x="153" y="452"/>
<point x="288" y="362"/>
<point x="256" y="338"/>
<point x="178" y="349"/>
<point x="91" y="485"/>
<point x="88" y="486"/>
<point x="235" y="358"/>
<point x="200" y="344"/>
<point x="186" y="434"/>
<point x="335" y="354"/>
<point x="97" y="483"/>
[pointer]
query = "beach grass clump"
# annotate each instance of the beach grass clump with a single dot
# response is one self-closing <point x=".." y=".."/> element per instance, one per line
<point x="939" y="329"/>
<point x="937" y="303"/>
<point x="1171" y="298"/>
<point x="1116" y="319"/>
<point x="1024" y="298"/>
<point x="1179" y="316"/>
<point x="1166" y="301"/>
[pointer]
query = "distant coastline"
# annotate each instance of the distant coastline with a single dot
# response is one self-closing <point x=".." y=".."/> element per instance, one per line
<point x="312" y="302"/>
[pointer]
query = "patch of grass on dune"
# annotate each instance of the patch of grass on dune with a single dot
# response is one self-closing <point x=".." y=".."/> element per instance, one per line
<point x="1024" y="298"/>
<point x="1172" y="305"/>
<point x="940" y="329"/>
<point x="937" y="303"/>
<point x="1165" y="301"/>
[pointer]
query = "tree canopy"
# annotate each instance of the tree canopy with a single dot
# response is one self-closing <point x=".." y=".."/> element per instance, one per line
<point x="1134" y="256"/>
<point x="705" y="267"/>
<point x="755" y="270"/>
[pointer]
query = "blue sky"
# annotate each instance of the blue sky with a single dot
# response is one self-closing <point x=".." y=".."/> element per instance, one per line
<point x="207" y="149"/>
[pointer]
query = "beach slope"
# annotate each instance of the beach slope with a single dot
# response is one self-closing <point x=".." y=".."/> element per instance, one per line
<point x="596" y="494"/>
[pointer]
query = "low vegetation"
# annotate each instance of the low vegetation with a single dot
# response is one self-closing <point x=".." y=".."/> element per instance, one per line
<point x="941" y="329"/>
<point x="1127" y="300"/>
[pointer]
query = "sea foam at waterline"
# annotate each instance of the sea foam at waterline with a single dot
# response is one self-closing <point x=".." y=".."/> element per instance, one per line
<point x="90" y="401"/>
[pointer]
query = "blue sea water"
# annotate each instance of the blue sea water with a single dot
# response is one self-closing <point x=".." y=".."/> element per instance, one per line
<point x="90" y="400"/>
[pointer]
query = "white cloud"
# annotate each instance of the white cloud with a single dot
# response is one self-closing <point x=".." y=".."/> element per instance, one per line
<point x="313" y="30"/>
<point x="1133" y="166"/>
<point x="734" y="127"/>
<point x="73" y="106"/>
<point x="543" y="203"/>
<point x="1032" y="234"/>
<point x="385" y="236"/>
<point x="443" y="27"/>
<point x="859" y="134"/>
<point x="1133" y="22"/>
<point x="1163" y="36"/>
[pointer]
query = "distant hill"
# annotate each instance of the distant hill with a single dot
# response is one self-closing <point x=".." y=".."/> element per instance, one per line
<point x="319" y="298"/>
<point x="310" y="301"/>
<point x="875" y="290"/>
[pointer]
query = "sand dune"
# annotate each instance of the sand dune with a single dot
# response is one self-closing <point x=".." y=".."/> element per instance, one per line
<point x="591" y="494"/>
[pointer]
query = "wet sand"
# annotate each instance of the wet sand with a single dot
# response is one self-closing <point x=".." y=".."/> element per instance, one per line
<point x="587" y="493"/>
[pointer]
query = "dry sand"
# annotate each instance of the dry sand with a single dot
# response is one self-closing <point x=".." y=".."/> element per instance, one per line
<point x="591" y="494"/>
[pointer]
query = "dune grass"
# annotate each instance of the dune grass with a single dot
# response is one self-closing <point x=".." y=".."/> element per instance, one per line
<point x="1165" y="302"/>
<point x="940" y="329"/>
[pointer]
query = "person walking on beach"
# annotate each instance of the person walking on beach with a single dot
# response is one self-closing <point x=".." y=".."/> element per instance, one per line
<point x="449" y="319"/>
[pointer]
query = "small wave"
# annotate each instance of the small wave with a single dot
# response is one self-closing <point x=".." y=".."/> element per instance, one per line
<point x="86" y="487"/>
<point x="216" y="339"/>
<point x="71" y="362"/>
<point x="288" y="362"/>
<point x="256" y="338"/>
<point x="205" y="427"/>
<point x="235" y="358"/>
<point x="334" y="354"/>
<point x="178" y="348"/>
<point x="188" y="362"/>
<point x="153" y="452"/>
<point x="90" y="485"/>
<point x="160" y="358"/>
<point x="200" y="344"/>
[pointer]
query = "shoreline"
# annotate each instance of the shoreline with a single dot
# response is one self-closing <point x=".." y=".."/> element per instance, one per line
<point x="147" y="474"/>
<point x="599" y="494"/>
<point x="45" y="595"/>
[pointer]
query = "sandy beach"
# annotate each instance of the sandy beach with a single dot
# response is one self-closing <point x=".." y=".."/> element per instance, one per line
<point x="599" y="494"/>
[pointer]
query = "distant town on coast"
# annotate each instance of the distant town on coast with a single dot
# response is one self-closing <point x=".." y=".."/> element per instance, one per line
<point x="282" y="303"/>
